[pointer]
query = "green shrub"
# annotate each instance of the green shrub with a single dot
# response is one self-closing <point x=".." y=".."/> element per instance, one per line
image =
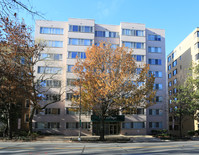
<point x="191" y="133"/>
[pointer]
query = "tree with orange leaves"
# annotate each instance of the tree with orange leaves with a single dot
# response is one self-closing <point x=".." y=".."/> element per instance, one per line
<point x="110" y="82"/>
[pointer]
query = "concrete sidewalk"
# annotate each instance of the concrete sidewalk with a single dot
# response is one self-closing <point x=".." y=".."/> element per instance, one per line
<point x="112" y="138"/>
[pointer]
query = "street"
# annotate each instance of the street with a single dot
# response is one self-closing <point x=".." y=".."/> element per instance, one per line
<point x="40" y="148"/>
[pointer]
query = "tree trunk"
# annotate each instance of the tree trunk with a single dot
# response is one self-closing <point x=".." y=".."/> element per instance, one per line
<point x="102" y="129"/>
<point x="180" y="121"/>
<point x="30" y="121"/>
<point x="9" y="122"/>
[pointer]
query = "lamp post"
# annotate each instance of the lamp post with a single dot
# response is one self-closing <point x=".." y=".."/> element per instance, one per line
<point x="80" y="111"/>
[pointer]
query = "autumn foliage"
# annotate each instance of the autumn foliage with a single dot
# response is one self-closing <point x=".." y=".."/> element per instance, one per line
<point x="111" y="81"/>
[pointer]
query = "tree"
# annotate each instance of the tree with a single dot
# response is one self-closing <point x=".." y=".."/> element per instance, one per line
<point x="110" y="82"/>
<point x="18" y="56"/>
<point x="185" y="102"/>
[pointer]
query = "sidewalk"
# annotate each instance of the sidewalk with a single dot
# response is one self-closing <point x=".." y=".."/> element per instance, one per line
<point x="110" y="138"/>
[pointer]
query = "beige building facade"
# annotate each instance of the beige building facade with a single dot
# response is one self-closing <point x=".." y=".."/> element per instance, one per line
<point x="178" y="64"/>
<point x="65" y="41"/>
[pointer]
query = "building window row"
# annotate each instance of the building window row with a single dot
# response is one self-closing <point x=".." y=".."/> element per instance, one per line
<point x="54" y="43"/>
<point x="135" y="45"/>
<point x="53" y="111"/>
<point x="130" y="32"/>
<point x="157" y="74"/>
<point x="169" y="67"/>
<point x="133" y="125"/>
<point x="49" y="83"/>
<point x="50" y="56"/>
<point x="154" y="49"/>
<point x="155" y="112"/>
<point x="153" y="37"/>
<point x="114" y="46"/>
<point x="75" y="125"/>
<point x="154" y="125"/>
<point x="47" y="125"/>
<point x="52" y="97"/>
<point x="71" y="82"/>
<point x="170" y="84"/>
<point x="106" y="34"/>
<point x="78" y="28"/>
<point x="131" y="111"/>
<point x="83" y="42"/>
<point x="70" y="68"/>
<point x="73" y="55"/>
<point x="155" y="61"/>
<point x="196" y="45"/>
<point x="197" y="56"/>
<point x="49" y="30"/>
<point x="169" y="58"/>
<point x="138" y="57"/>
<point x="49" y="70"/>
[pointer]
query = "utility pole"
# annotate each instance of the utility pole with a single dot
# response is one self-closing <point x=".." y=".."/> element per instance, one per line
<point x="80" y="111"/>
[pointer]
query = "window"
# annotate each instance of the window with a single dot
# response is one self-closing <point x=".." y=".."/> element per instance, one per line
<point x="78" y="28"/>
<point x="169" y="75"/>
<point x="69" y="96"/>
<point x="72" y="125"/>
<point x="174" y="81"/>
<point x="197" y="56"/>
<point x="49" y="30"/>
<point x="169" y="58"/>
<point x="155" y="61"/>
<point x="135" y="45"/>
<point x="49" y="83"/>
<point x="130" y="32"/>
<point x="170" y="92"/>
<point x="70" y="82"/>
<point x="154" y="49"/>
<point x="53" y="43"/>
<point x="73" y="55"/>
<point x="156" y="74"/>
<point x="72" y="111"/>
<point x="155" y="125"/>
<point x="155" y="112"/>
<point x="175" y="72"/>
<point x="138" y="57"/>
<point x="133" y="125"/>
<point x="131" y="111"/>
<point x="152" y="37"/>
<point x="53" y="125"/>
<point x="49" y="70"/>
<point x="173" y="55"/>
<point x="196" y="45"/>
<point x="70" y="68"/>
<point x="158" y="86"/>
<point x="106" y="34"/>
<point x="174" y="63"/>
<point x="54" y="111"/>
<point x="170" y="84"/>
<point x="174" y="90"/>
<point x="169" y="67"/>
<point x="83" y="42"/>
<point x="52" y="97"/>
<point x="41" y="125"/>
<point x="158" y="98"/>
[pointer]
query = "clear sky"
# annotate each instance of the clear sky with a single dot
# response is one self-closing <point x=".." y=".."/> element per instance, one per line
<point x="177" y="17"/>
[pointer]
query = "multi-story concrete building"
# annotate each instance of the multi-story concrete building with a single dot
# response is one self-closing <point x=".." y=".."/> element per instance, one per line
<point x="178" y="64"/>
<point x="66" y="40"/>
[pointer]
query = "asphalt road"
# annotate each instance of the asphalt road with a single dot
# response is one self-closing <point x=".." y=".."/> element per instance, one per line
<point x="153" y="148"/>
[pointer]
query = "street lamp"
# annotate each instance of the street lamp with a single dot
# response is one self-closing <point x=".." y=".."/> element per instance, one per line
<point x="80" y="111"/>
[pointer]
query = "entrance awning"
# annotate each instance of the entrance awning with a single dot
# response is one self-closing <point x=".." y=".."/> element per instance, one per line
<point x="117" y="118"/>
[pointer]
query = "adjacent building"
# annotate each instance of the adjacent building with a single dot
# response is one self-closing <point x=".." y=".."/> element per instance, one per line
<point x="65" y="41"/>
<point x="178" y="64"/>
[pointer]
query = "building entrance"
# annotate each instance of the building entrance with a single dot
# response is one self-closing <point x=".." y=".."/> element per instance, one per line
<point x="110" y="128"/>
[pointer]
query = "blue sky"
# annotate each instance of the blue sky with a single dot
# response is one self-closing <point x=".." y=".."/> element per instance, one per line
<point x="177" y="17"/>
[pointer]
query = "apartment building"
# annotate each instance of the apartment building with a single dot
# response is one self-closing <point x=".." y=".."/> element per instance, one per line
<point x="65" y="41"/>
<point x="178" y="64"/>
